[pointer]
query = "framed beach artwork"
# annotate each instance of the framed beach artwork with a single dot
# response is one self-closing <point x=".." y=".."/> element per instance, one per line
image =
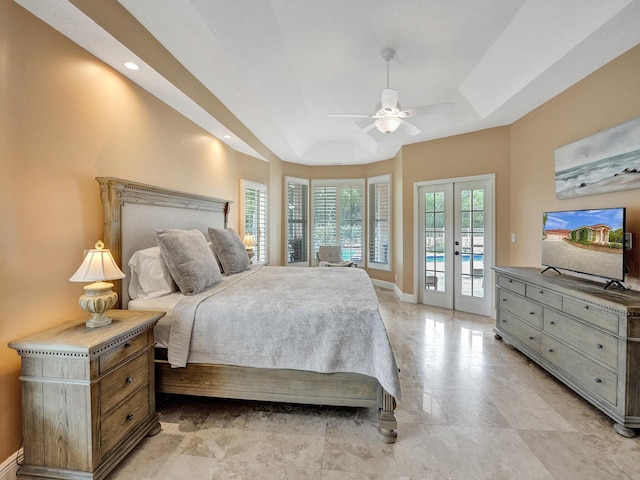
<point x="605" y="162"/>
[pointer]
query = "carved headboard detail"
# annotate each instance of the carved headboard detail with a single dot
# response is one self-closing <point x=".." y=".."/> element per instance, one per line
<point x="133" y="211"/>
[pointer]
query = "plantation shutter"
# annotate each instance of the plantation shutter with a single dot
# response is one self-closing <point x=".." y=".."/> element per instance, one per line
<point x="379" y="222"/>
<point x="255" y="216"/>
<point x="297" y="220"/>
<point x="338" y="216"/>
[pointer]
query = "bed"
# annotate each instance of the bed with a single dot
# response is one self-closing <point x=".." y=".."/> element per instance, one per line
<point x="280" y="333"/>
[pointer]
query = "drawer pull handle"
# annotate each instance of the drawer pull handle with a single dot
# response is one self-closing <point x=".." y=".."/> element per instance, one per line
<point x="599" y="345"/>
<point x="504" y="299"/>
<point x="541" y="292"/>
<point x="550" y="350"/>
<point x="532" y="338"/>
<point x="127" y="345"/>
<point x="504" y="321"/>
<point x="510" y="281"/>
<point x="130" y="417"/>
<point x="552" y="322"/>
<point x="586" y="307"/>
<point x="532" y="313"/>
<point x="129" y="380"/>
<point x="598" y="380"/>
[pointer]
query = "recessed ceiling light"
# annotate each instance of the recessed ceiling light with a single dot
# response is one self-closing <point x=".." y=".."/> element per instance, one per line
<point x="226" y="136"/>
<point x="132" y="66"/>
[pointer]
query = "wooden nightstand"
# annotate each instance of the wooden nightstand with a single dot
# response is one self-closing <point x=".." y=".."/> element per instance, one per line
<point x="88" y="395"/>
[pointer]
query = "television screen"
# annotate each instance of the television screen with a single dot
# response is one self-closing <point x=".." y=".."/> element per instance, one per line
<point x="585" y="241"/>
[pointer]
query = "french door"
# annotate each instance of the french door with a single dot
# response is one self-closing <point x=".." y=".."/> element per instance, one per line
<point x="455" y="244"/>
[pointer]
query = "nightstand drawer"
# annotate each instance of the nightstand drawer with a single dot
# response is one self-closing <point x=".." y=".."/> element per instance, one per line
<point x="117" y="424"/>
<point x="123" y="351"/>
<point x="120" y="383"/>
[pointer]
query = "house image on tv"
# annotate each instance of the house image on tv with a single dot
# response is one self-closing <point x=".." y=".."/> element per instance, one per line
<point x="557" y="235"/>
<point x="595" y="234"/>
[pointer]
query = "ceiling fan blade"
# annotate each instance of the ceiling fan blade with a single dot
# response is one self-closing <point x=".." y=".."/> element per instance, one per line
<point x="367" y="128"/>
<point x="389" y="99"/>
<point x="350" y="115"/>
<point x="409" y="129"/>
<point x="427" y="110"/>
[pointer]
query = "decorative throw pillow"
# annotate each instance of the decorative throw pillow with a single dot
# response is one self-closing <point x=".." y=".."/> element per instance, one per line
<point x="189" y="259"/>
<point x="150" y="277"/>
<point x="229" y="250"/>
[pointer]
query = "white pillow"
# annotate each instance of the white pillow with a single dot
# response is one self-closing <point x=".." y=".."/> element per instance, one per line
<point x="150" y="277"/>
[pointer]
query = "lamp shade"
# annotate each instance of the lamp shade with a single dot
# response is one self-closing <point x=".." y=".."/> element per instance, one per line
<point x="98" y="265"/>
<point x="249" y="241"/>
<point x="387" y="125"/>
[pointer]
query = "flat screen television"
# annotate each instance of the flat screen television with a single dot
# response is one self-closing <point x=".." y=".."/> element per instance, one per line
<point x="589" y="242"/>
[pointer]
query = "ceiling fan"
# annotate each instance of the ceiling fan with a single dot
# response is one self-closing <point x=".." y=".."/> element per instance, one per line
<point x="390" y="116"/>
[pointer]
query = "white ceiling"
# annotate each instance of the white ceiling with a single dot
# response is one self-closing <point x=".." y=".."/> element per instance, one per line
<point x="282" y="66"/>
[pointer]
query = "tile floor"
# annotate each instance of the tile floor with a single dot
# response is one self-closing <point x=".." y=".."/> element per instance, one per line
<point x="473" y="408"/>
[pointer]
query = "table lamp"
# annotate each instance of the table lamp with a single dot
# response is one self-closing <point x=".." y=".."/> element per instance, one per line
<point x="249" y="242"/>
<point x="98" y="266"/>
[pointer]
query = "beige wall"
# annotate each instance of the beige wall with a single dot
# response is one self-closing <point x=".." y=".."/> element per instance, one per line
<point x="65" y="119"/>
<point x="608" y="97"/>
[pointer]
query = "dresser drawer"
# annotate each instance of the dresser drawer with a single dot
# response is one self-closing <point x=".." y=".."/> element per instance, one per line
<point x="593" y="342"/>
<point x="543" y="296"/>
<point x="510" y="284"/>
<point x="591" y="314"/>
<point x="121" y="382"/>
<point x="591" y="375"/>
<point x="123" y="351"/>
<point x="521" y="330"/>
<point x="520" y="306"/>
<point x="123" y="419"/>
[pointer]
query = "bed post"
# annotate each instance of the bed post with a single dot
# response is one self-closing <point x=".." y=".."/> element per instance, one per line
<point x="111" y="198"/>
<point x="387" y="423"/>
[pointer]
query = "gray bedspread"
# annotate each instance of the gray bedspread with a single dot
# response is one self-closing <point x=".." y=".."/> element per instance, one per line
<point x="315" y="319"/>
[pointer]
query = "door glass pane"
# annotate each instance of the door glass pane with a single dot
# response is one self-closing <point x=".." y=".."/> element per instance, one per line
<point x="434" y="241"/>
<point x="472" y="231"/>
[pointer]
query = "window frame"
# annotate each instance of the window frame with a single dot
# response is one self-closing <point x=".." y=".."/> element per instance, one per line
<point x="262" y="241"/>
<point x="371" y="222"/>
<point x="339" y="184"/>
<point x="305" y="222"/>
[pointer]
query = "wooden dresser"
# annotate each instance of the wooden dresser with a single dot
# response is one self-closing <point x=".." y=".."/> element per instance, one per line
<point x="584" y="335"/>
<point x="88" y="395"/>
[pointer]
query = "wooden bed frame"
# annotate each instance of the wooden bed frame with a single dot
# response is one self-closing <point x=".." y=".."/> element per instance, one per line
<point x="132" y="212"/>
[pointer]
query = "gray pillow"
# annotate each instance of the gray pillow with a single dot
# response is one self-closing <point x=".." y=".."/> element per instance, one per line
<point x="229" y="250"/>
<point x="189" y="259"/>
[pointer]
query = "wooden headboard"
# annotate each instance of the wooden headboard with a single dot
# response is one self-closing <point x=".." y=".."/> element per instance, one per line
<point x="133" y="211"/>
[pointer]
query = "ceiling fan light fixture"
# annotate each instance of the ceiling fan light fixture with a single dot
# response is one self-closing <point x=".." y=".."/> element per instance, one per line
<point x="387" y="125"/>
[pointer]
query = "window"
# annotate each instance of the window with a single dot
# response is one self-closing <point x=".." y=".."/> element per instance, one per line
<point x="297" y="220"/>
<point x="254" y="198"/>
<point x="338" y="216"/>
<point x="379" y="208"/>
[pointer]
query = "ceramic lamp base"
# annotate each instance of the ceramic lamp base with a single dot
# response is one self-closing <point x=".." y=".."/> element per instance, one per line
<point x="97" y="299"/>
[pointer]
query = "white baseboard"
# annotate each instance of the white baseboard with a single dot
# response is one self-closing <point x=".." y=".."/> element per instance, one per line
<point x="383" y="284"/>
<point x="405" y="297"/>
<point x="9" y="468"/>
